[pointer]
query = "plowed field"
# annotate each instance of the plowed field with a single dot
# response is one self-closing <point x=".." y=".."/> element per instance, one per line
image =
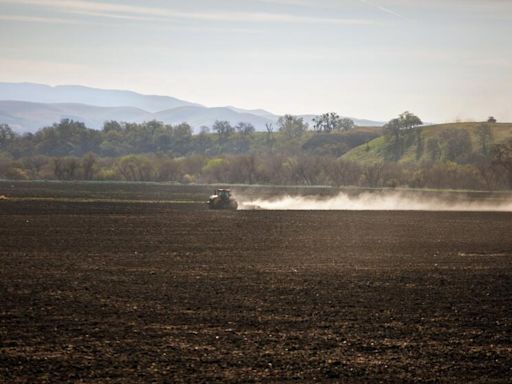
<point x="128" y="292"/>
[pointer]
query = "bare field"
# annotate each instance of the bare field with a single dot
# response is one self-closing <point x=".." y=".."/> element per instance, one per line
<point x="161" y="292"/>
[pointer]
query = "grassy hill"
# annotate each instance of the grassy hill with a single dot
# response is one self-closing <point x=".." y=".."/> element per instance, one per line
<point x="380" y="149"/>
<point x="338" y="143"/>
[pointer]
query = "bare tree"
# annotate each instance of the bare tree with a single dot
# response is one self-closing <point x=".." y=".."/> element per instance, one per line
<point x="223" y="129"/>
<point x="88" y="163"/>
<point x="270" y="135"/>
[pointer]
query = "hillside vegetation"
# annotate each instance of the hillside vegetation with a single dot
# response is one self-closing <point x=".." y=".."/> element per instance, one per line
<point x="72" y="138"/>
<point x="458" y="142"/>
<point x="476" y="156"/>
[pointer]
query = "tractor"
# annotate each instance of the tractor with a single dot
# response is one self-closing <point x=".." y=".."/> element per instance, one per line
<point x="222" y="199"/>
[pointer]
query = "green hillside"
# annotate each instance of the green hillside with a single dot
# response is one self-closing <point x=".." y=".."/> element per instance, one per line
<point x="339" y="143"/>
<point x="459" y="142"/>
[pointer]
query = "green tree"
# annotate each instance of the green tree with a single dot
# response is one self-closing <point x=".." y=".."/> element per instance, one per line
<point x="245" y="129"/>
<point x="182" y="138"/>
<point x="409" y="120"/>
<point x="68" y="137"/>
<point x="7" y="135"/>
<point x="203" y="142"/>
<point x="331" y="122"/>
<point x="292" y="126"/>
<point x="396" y="133"/>
<point x="484" y="135"/>
<point x="244" y="137"/>
<point x="112" y="126"/>
<point x="224" y="130"/>
<point x="346" y="124"/>
<point x="457" y="145"/>
<point x="394" y="139"/>
<point x="502" y="160"/>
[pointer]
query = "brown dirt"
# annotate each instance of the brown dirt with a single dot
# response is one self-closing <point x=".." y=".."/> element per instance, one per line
<point x="136" y="292"/>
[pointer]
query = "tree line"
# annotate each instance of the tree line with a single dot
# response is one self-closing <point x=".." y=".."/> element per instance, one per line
<point x="293" y="153"/>
<point x="73" y="138"/>
<point x="272" y="169"/>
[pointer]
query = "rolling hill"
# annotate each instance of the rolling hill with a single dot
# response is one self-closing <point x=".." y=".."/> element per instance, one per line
<point x="377" y="150"/>
<point x="202" y="116"/>
<point x="25" y="116"/>
<point x="27" y="107"/>
<point x="28" y="116"/>
<point x="77" y="94"/>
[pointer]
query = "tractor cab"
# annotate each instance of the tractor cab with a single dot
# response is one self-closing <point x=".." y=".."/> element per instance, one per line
<point x="221" y="199"/>
<point x="224" y="194"/>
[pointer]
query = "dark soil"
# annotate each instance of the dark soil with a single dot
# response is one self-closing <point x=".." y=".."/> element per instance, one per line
<point x="140" y="292"/>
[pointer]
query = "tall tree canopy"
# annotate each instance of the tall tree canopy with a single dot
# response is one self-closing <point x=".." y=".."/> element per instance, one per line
<point x="292" y="126"/>
<point x="331" y="122"/>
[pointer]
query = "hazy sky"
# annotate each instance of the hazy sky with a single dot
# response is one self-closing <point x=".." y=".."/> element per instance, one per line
<point x="442" y="59"/>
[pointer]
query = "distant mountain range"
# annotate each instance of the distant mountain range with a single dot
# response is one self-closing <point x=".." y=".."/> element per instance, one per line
<point x="27" y="107"/>
<point x="76" y="94"/>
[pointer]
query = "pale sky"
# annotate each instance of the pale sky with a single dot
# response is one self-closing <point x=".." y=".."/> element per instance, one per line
<point x="441" y="59"/>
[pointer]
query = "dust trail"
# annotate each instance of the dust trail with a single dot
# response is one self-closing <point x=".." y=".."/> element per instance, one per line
<point x="378" y="201"/>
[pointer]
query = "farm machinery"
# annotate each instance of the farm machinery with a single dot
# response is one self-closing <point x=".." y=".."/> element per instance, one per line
<point x="222" y="199"/>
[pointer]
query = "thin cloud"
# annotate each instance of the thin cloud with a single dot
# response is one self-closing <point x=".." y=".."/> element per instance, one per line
<point x="100" y="9"/>
<point x="35" y="19"/>
<point x="114" y="16"/>
<point x="381" y="8"/>
<point x="290" y="2"/>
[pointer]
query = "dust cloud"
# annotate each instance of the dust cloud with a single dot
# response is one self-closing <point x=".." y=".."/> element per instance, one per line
<point x="378" y="201"/>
